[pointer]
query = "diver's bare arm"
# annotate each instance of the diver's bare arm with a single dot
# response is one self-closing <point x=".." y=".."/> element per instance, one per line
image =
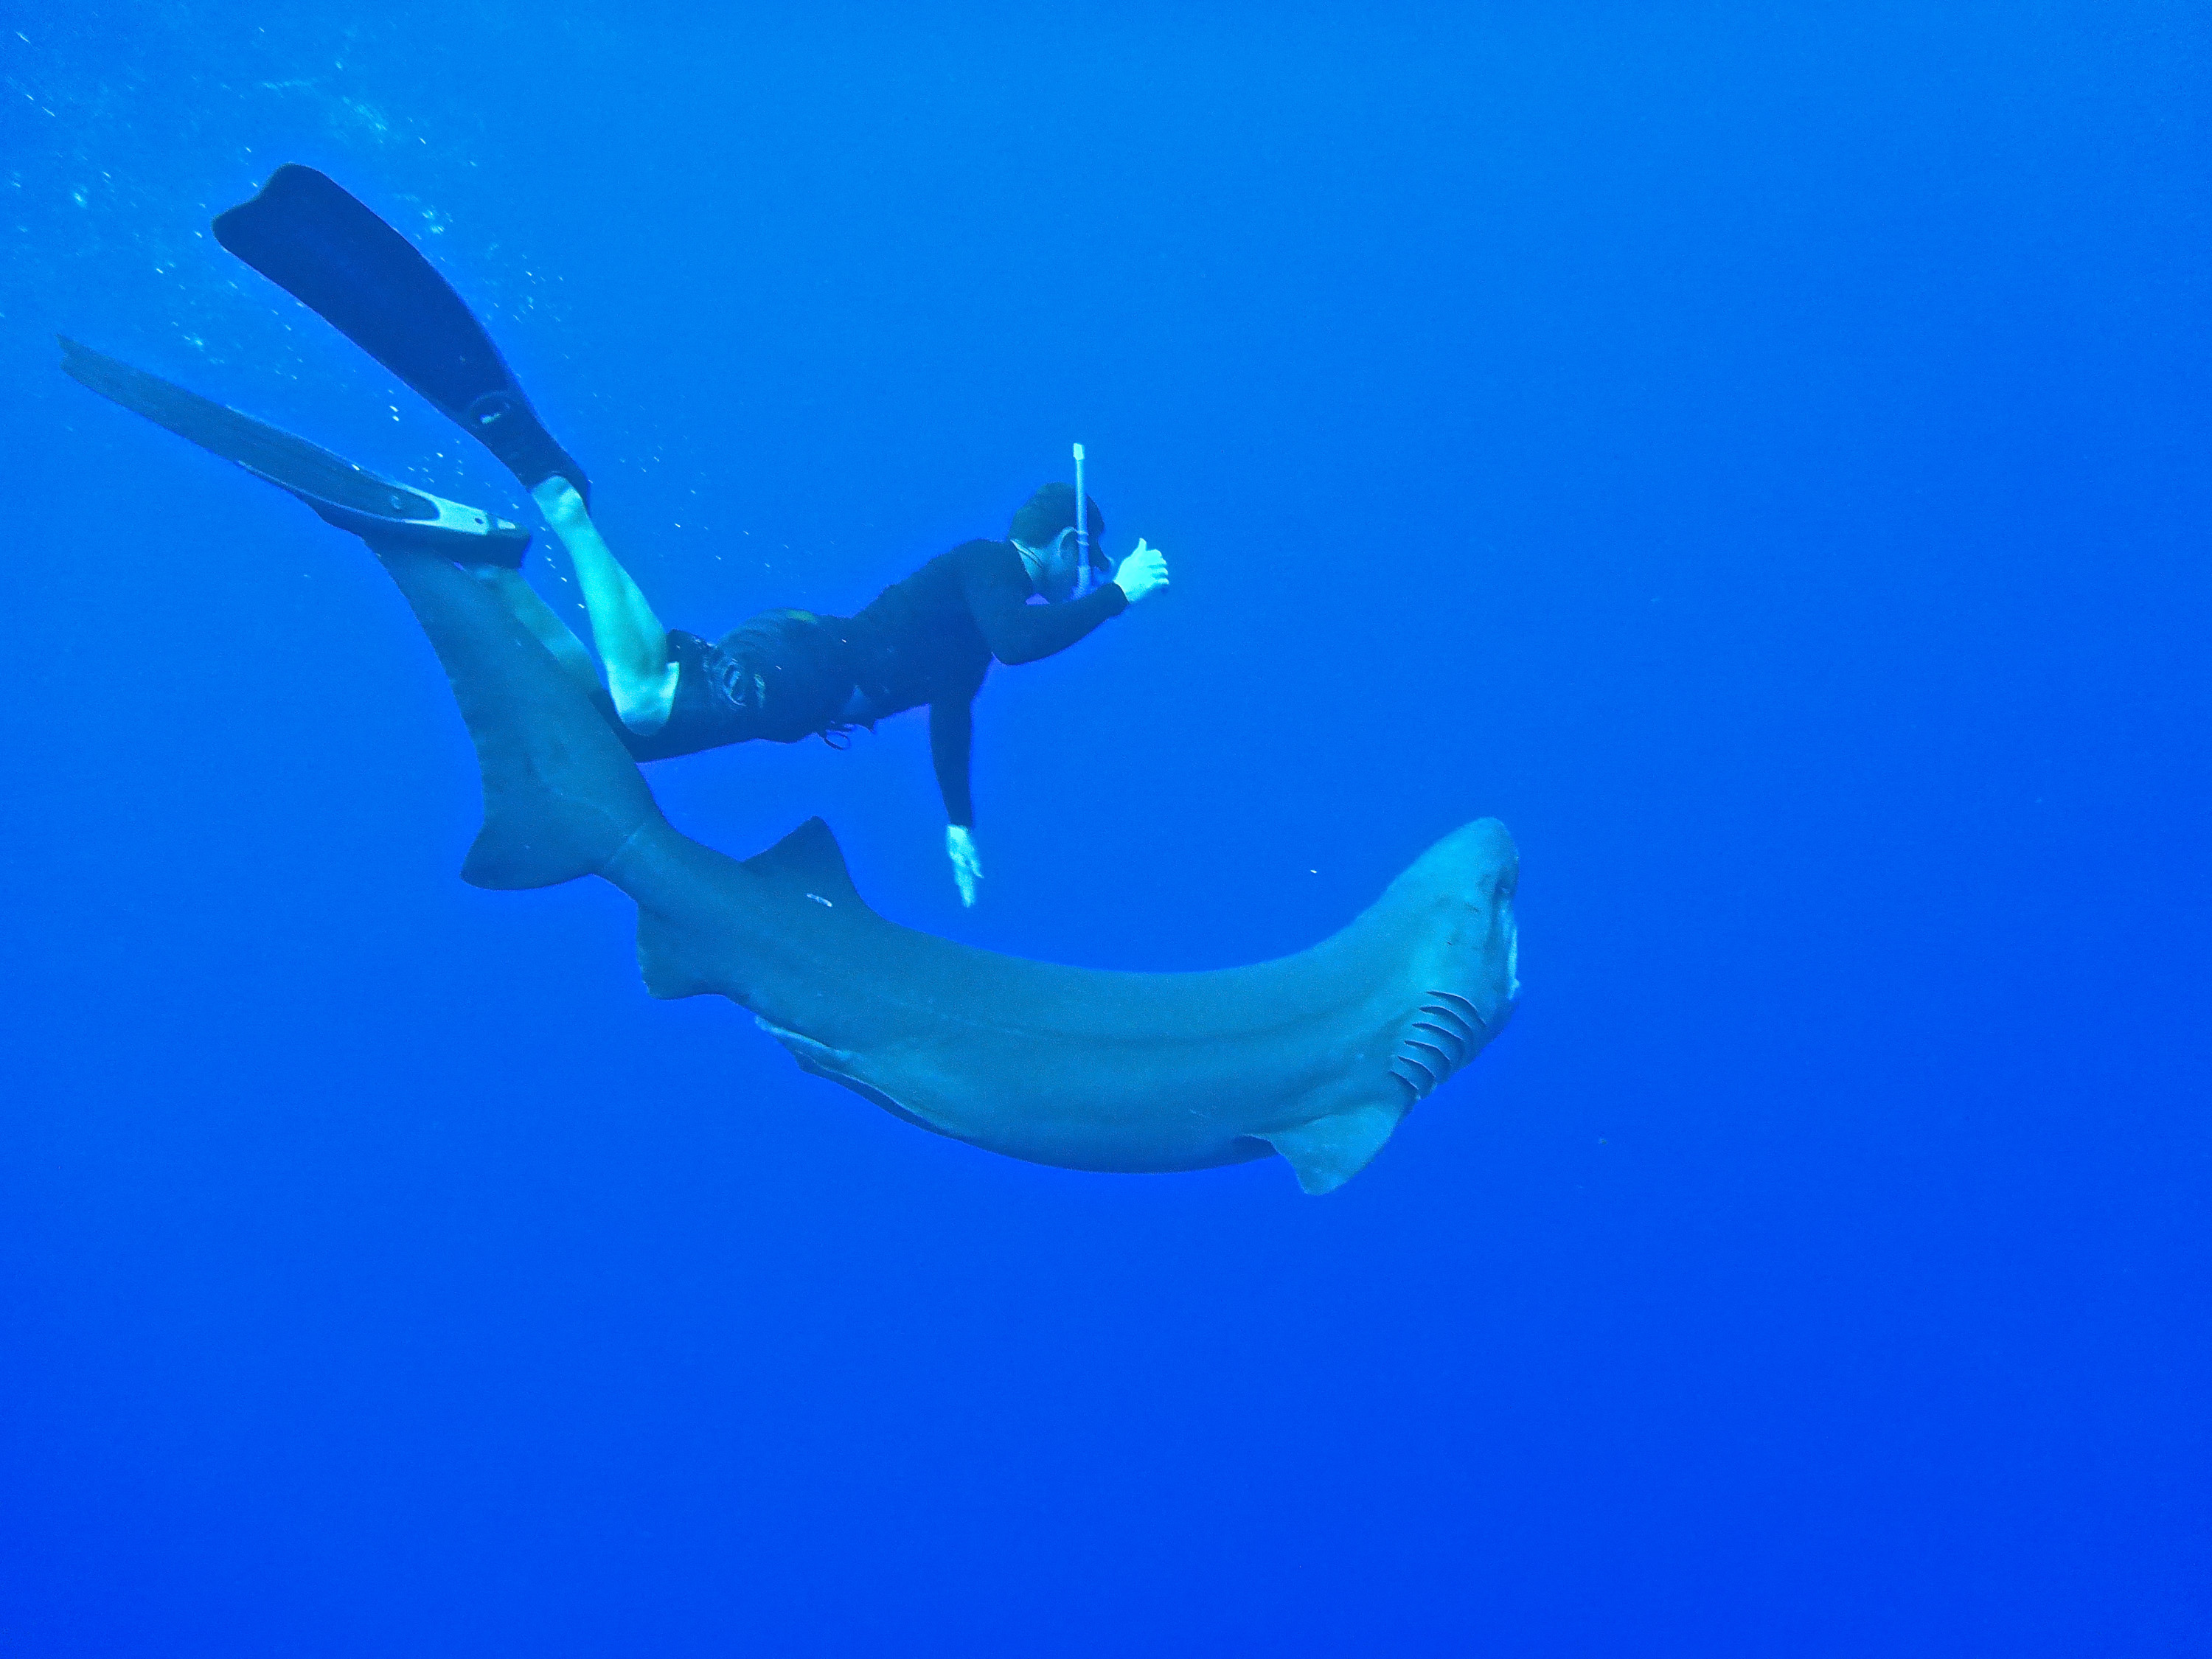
<point x="632" y="643"/>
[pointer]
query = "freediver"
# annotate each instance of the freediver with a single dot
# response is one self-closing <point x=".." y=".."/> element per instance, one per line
<point x="783" y="675"/>
<point x="786" y="675"/>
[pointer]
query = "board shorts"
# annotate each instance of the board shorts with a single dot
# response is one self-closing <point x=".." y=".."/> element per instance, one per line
<point x="781" y="676"/>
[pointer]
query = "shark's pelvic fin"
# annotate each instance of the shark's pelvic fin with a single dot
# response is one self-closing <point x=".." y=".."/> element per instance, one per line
<point x="1330" y="1150"/>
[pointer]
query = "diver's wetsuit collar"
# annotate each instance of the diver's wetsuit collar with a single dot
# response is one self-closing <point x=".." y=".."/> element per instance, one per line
<point x="1033" y="562"/>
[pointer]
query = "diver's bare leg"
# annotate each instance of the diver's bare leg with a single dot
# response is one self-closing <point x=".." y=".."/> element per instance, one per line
<point x="632" y="642"/>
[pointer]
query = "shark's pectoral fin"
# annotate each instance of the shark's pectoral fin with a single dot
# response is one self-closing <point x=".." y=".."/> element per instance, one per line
<point x="1330" y="1150"/>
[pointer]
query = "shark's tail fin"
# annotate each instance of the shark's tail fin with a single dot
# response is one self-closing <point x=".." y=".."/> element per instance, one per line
<point x="560" y="794"/>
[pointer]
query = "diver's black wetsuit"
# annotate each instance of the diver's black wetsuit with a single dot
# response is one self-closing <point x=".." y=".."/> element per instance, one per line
<point x="785" y="675"/>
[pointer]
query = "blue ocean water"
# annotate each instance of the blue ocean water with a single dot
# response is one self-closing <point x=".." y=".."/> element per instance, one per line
<point x="1759" y="454"/>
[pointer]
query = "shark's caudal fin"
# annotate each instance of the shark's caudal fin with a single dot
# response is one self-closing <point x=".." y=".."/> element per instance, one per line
<point x="561" y="794"/>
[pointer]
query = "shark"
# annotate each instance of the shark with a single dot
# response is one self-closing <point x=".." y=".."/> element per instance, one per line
<point x="1315" y="1058"/>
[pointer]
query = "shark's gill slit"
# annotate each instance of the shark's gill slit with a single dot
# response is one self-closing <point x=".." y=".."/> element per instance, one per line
<point x="1456" y="1054"/>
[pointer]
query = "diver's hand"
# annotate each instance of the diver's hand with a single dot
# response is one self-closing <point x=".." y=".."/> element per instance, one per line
<point x="967" y="863"/>
<point x="1145" y="571"/>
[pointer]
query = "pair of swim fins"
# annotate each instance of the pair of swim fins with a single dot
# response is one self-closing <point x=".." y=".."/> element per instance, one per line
<point x="307" y="235"/>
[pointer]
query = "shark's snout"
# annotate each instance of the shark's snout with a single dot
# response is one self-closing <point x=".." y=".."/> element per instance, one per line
<point x="1466" y="978"/>
<point x="1503" y="884"/>
<point x="1512" y="927"/>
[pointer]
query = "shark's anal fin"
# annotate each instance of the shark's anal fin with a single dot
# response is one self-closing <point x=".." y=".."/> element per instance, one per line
<point x="1330" y="1150"/>
<point x="666" y="961"/>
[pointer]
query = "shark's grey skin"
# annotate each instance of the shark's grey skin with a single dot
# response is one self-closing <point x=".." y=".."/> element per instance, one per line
<point x="1316" y="1056"/>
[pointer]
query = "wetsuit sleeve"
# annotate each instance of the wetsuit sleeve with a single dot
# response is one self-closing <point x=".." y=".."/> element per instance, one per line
<point x="952" y="738"/>
<point x="998" y="591"/>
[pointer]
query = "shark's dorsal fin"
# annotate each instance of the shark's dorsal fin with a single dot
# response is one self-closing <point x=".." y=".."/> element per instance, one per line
<point x="808" y="860"/>
<point x="1330" y="1150"/>
<point x="677" y="961"/>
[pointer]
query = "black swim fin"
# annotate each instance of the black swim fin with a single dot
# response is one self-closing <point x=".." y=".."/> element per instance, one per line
<point x="305" y="234"/>
<point x="380" y="512"/>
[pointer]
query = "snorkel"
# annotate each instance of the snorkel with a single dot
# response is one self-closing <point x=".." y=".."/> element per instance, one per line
<point x="1082" y="529"/>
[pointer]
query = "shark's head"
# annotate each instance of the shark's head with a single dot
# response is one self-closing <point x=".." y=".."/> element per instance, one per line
<point x="1463" y="951"/>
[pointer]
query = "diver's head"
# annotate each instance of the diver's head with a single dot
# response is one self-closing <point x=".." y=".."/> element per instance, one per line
<point x="1043" y="532"/>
